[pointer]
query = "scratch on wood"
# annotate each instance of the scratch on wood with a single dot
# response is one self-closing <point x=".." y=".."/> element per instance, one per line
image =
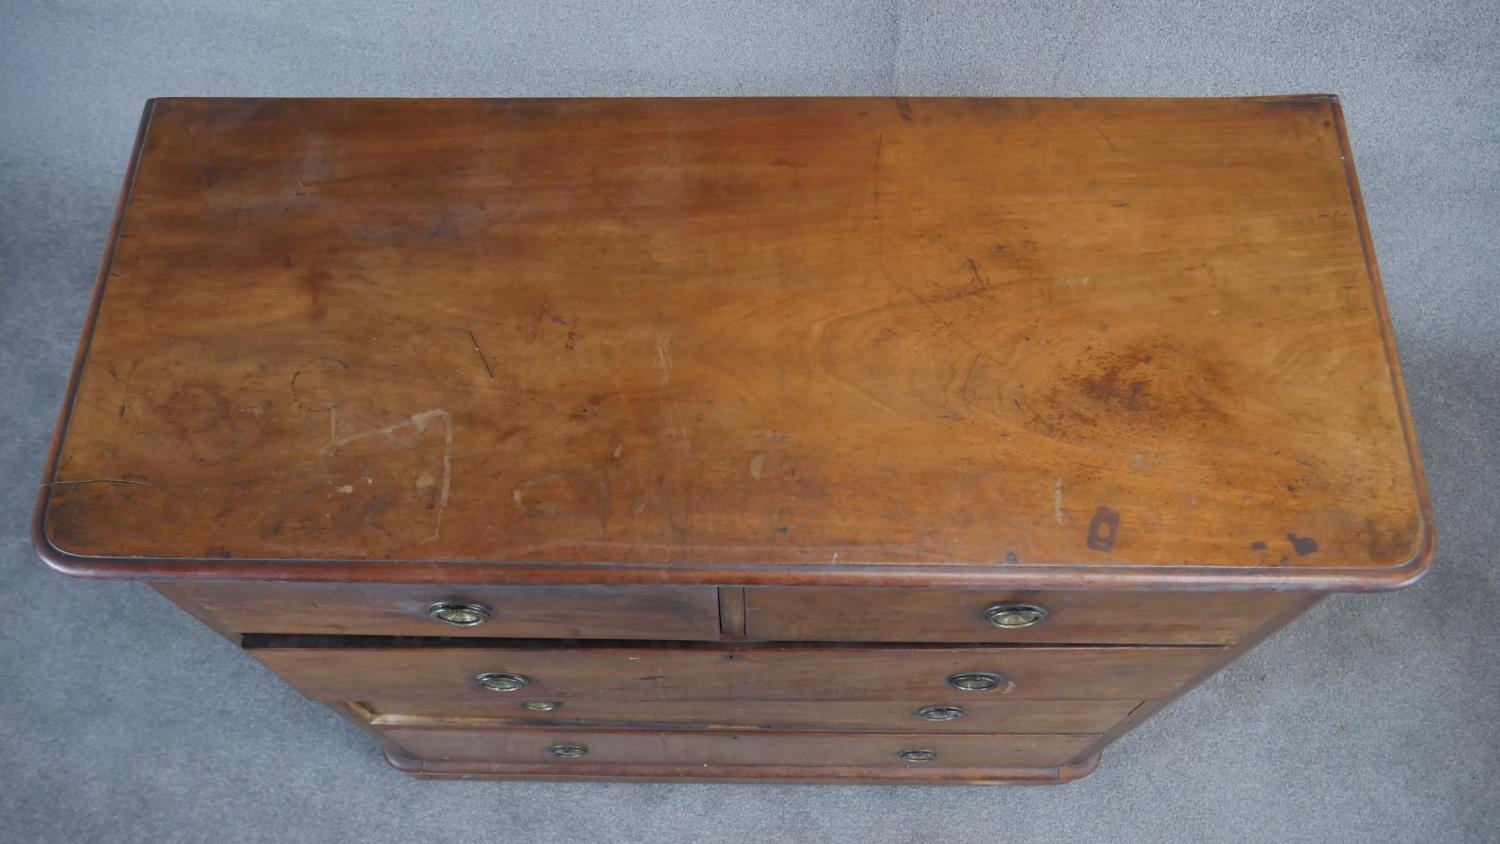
<point x="1106" y="139"/>
<point x="420" y="422"/>
<point x="102" y="481"/>
<point x="480" y="352"/>
<point x="664" y="357"/>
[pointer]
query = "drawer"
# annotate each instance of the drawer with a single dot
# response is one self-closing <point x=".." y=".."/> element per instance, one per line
<point x="833" y="614"/>
<point x="389" y="677"/>
<point x="562" y="749"/>
<point x="956" y="713"/>
<point x="568" y="612"/>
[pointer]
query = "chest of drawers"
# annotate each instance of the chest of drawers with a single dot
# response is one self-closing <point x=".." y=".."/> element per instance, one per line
<point x="887" y="440"/>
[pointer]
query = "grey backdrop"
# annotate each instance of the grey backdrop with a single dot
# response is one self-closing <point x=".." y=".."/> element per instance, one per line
<point x="1373" y="718"/>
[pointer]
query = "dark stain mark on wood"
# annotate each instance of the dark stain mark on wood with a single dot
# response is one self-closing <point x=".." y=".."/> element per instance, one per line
<point x="903" y="107"/>
<point x="1120" y="203"/>
<point x="1012" y="558"/>
<point x="480" y="352"/>
<point x="1303" y="545"/>
<point x="1104" y="529"/>
<point x="1258" y="546"/>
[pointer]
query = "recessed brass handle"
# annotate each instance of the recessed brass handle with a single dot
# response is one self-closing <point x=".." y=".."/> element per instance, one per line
<point x="568" y="751"/>
<point x="917" y="755"/>
<point x="459" y="615"/>
<point x="499" y="681"/>
<point x="977" y="681"/>
<point x="1014" y="616"/>
<point x="541" y="705"/>
<point x="941" y="713"/>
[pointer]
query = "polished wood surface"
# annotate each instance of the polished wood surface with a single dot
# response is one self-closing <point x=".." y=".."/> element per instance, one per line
<point x="632" y="747"/>
<point x="957" y="615"/>
<point x="387" y="677"/>
<point x="982" y="714"/>
<point x="999" y="342"/>
<point x="738" y="415"/>
<point x="576" y="612"/>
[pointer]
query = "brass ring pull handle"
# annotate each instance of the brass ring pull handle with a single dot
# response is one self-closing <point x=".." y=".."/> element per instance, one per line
<point x="459" y="615"/>
<point x="977" y="681"/>
<point x="1014" y="616"/>
<point x="499" y="681"/>
<point x="941" y="713"/>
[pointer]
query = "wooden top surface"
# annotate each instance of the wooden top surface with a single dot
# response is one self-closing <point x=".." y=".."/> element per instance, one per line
<point x="992" y="341"/>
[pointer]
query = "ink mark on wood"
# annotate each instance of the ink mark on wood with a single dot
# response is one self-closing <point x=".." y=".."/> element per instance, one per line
<point x="1303" y="545"/>
<point x="1104" y="528"/>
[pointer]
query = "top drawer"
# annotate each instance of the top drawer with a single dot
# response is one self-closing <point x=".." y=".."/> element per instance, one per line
<point x="544" y="612"/>
<point x="977" y="615"/>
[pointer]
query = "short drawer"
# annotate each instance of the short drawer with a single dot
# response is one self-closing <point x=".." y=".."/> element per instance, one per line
<point x="563" y="749"/>
<point x="953" y="713"/>
<point x="544" y="612"/>
<point x="475" y="674"/>
<point x="834" y="614"/>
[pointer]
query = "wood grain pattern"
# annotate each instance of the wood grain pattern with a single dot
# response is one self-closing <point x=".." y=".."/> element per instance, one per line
<point x="982" y="714"/>
<point x="387" y="678"/>
<point x="632" y="747"/>
<point x="1084" y="342"/>
<point x="957" y="615"/>
<point x="567" y="612"/>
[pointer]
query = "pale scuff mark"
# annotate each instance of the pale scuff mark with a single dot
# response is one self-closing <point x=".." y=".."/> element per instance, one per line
<point x="346" y="489"/>
<point x="664" y="357"/>
<point x="757" y="465"/>
<point x="1057" y="502"/>
<point x="619" y="449"/>
<point x="419" y="421"/>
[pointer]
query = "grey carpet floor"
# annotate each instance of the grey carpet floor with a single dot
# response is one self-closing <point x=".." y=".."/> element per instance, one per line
<point x="1373" y="718"/>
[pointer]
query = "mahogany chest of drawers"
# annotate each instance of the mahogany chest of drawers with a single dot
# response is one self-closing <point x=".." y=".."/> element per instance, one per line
<point x="928" y="440"/>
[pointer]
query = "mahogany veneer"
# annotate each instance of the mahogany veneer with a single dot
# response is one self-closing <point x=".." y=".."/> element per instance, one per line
<point x="889" y="440"/>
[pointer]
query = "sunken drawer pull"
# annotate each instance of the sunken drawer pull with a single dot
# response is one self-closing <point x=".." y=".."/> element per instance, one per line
<point x="917" y="755"/>
<point x="568" y="751"/>
<point x="499" y="681"/>
<point x="459" y="615"/>
<point x="1014" y="616"/>
<point x="941" y="713"/>
<point x="977" y="681"/>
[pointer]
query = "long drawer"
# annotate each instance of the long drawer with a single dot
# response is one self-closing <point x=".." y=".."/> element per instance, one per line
<point x="578" y="612"/>
<point x="956" y="713"/>
<point x="837" y="614"/>
<point x="562" y="749"/>
<point x="467" y="673"/>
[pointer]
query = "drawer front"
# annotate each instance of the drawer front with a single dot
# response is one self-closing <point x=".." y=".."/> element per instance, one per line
<point x="545" y="612"/>
<point x="442" y="676"/>
<point x="580" y="748"/>
<point x="833" y="614"/>
<point x="955" y="713"/>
